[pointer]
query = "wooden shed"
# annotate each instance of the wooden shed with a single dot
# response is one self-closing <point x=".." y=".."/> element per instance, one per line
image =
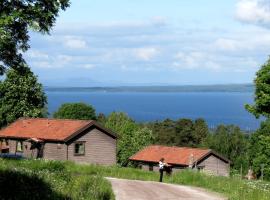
<point x="82" y="141"/>
<point x="205" y="160"/>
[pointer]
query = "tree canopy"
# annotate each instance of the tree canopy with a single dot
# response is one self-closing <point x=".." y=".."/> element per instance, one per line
<point x="75" y="111"/>
<point x="131" y="137"/>
<point x="262" y="92"/>
<point x="232" y="143"/>
<point x="16" y="18"/>
<point x="260" y="150"/>
<point x="21" y="96"/>
<point x="182" y="132"/>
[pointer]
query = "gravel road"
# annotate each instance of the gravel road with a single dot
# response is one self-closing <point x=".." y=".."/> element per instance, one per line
<point x="148" y="190"/>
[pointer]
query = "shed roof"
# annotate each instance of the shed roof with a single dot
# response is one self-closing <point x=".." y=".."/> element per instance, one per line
<point x="173" y="155"/>
<point x="49" y="129"/>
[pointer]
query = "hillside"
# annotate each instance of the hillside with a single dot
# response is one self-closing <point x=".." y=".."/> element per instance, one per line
<point x="185" y="88"/>
<point x="37" y="179"/>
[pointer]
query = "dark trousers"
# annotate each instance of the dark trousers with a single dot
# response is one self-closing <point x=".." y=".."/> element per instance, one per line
<point x="161" y="175"/>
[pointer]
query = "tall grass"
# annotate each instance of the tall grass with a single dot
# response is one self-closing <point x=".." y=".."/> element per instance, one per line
<point x="232" y="187"/>
<point x="52" y="177"/>
<point x="67" y="180"/>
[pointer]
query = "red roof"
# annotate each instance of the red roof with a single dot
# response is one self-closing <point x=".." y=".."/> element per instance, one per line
<point x="46" y="129"/>
<point x="172" y="155"/>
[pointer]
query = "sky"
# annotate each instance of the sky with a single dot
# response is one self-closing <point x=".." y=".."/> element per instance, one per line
<point x="153" y="42"/>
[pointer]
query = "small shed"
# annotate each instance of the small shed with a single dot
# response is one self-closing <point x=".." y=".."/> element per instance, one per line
<point x="205" y="160"/>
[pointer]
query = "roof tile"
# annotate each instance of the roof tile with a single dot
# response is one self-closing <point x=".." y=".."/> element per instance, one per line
<point x="42" y="128"/>
<point x="172" y="155"/>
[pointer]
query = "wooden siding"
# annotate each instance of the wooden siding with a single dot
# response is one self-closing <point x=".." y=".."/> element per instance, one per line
<point x="99" y="149"/>
<point x="12" y="146"/>
<point x="26" y="149"/>
<point x="211" y="165"/>
<point x="55" y="151"/>
<point x="215" y="166"/>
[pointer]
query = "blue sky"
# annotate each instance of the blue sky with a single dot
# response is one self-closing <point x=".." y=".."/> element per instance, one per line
<point x="153" y="42"/>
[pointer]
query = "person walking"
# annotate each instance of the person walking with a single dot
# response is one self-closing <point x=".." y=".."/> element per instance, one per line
<point x="161" y="169"/>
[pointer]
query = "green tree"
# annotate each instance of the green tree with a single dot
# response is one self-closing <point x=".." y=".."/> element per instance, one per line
<point x="230" y="142"/>
<point x="184" y="133"/>
<point x="131" y="137"/>
<point x="200" y="131"/>
<point x="262" y="92"/>
<point x="16" y="18"/>
<point x="259" y="151"/>
<point x="21" y="96"/>
<point x="101" y="118"/>
<point x="75" y="111"/>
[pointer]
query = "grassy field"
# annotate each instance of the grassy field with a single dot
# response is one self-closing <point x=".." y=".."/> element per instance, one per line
<point x="234" y="188"/>
<point x="44" y="180"/>
<point x="58" y="180"/>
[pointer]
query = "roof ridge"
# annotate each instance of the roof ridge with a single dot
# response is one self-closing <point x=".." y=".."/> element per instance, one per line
<point x="42" y="118"/>
<point x="178" y="147"/>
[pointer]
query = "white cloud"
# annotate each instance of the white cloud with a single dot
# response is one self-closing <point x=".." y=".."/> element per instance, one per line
<point x="253" y="11"/>
<point x="146" y="53"/>
<point x="74" y="43"/>
<point x="36" y="54"/>
<point x="88" y="66"/>
<point x="189" y="60"/>
<point x="57" y="61"/>
<point x="194" y="60"/>
<point x="159" y="20"/>
<point x="226" y="44"/>
<point x="41" y="64"/>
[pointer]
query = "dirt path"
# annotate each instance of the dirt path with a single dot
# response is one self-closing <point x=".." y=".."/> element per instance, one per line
<point x="147" y="190"/>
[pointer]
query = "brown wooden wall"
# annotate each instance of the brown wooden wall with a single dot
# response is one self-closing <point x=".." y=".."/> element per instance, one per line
<point x="26" y="149"/>
<point x="211" y="165"/>
<point x="55" y="151"/>
<point x="99" y="149"/>
<point x="214" y="165"/>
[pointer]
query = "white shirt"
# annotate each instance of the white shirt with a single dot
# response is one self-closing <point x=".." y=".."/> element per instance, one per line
<point x="161" y="165"/>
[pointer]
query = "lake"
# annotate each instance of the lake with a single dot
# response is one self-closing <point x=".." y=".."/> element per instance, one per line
<point x="215" y="107"/>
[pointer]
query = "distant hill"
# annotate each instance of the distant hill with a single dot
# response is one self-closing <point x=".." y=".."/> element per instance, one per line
<point x="185" y="88"/>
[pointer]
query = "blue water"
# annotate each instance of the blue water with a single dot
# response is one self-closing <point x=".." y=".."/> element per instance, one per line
<point x="215" y="107"/>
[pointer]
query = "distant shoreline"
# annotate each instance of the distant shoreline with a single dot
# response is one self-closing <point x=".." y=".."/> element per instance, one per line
<point x="184" y="88"/>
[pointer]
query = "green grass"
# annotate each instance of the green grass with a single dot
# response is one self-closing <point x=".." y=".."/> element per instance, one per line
<point x="30" y="179"/>
<point x="66" y="180"/>
<point x="234" y="188"/>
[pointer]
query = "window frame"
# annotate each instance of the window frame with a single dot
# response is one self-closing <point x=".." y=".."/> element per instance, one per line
<point x="17" y="151"/>
<point x="79" y="143"/>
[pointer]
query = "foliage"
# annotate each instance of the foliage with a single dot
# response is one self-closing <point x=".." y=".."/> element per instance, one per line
<point x="260" y="150"/>
<point x="75" y="111"/>
<point x="16" y="18"/>
<point x="21" y="96"/>
<point x="230" y="142"/>
<point x="101" y="118"/>
<point x="131" y="137"/>
<point x="37" y="179"/>
<point x="182" y="132"/>
<point x="262" y="93"/>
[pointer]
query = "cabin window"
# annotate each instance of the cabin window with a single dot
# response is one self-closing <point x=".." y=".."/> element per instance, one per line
<point x="79" y="148"/>
<point x="19" y="146"/>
